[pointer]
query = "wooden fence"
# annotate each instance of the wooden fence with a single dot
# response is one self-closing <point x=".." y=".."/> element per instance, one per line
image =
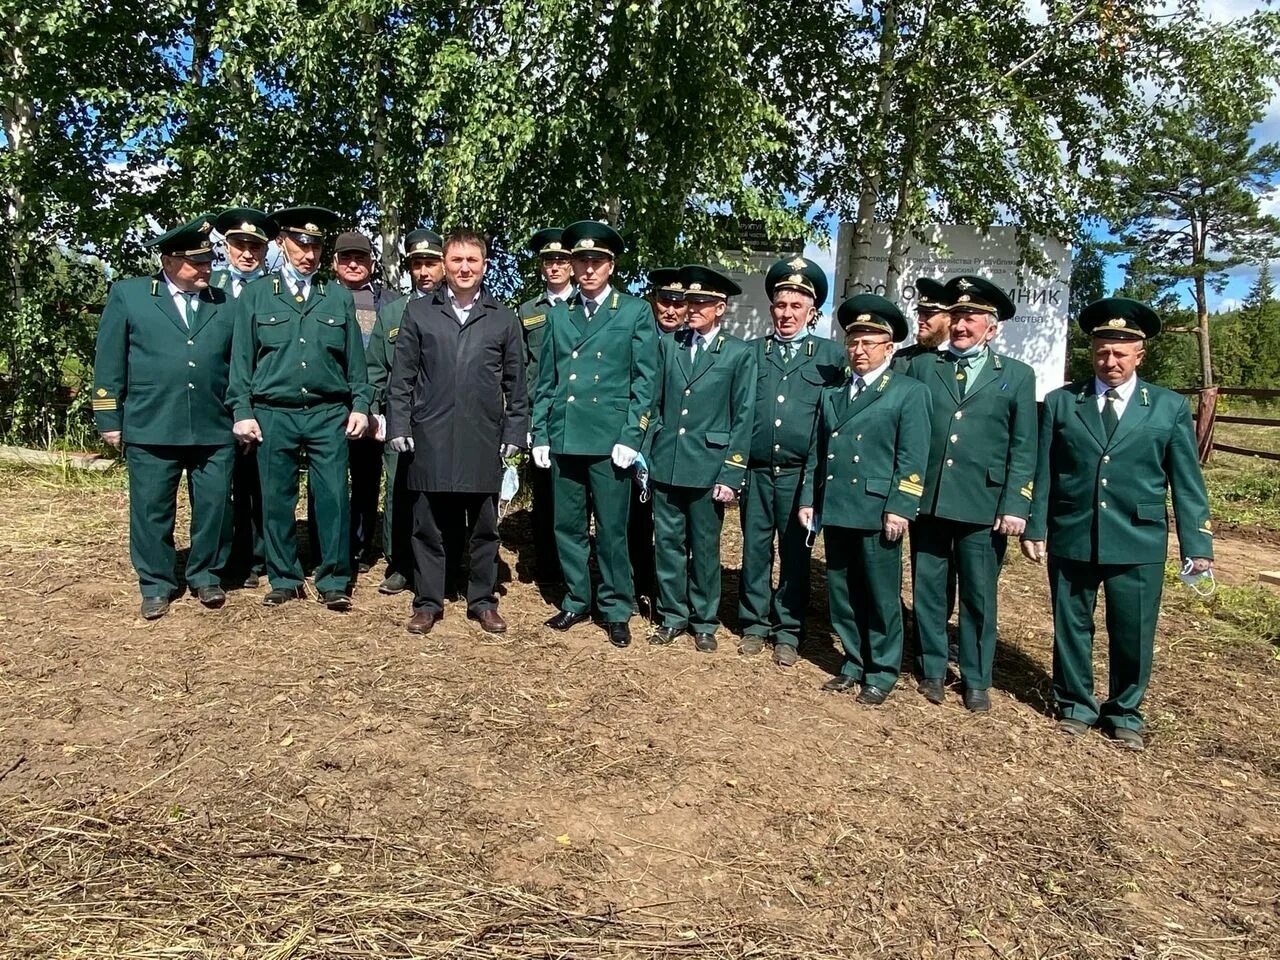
<point x="1207" y="417"/>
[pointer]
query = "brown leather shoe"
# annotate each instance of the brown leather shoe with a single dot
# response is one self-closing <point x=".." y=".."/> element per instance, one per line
<point x="422" y="621"/>
<point x="489" y="620"/>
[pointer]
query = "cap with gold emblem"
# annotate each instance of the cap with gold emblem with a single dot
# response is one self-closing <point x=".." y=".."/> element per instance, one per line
<point x="931" y="294"/>
<point x="248" y="223"/>
<point x="703" y="285"/>
<point x="798" y="273"/>
<point x="592" y="237"/>
<point x="977" y="295"/>
<point x="666" y="283"/>
<point x="548" y="242"/>
<point x="305" y="225"/>
<point x="873" y="314"/>
<point x="191" y="240"/>
<point x="423" y="243"/>
<point x="1119" y="318"/>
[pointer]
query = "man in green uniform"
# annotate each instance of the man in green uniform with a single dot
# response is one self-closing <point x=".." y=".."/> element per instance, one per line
<point x="933" y="322"/>
<point x="159" y="393"/>
<point x="793" y="368"/>
<point x="299" y="383"/>
<point x="591" y="410"/>
<point x="697" y="453"/>
<point x="666" y="295"/>
<point x="246" y="233"/>
<point x="424" y="254"/>
<point x="556" y="268"/>
<point x="863" y="473"/>
<point x="977" y="489"/>
<point x="1111" y="448"/>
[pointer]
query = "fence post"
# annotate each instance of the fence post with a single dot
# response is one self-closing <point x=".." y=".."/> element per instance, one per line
<point x="1206" y="414"/>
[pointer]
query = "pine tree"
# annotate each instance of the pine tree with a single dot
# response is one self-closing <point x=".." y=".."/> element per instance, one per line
<point x="1260" y="330"/>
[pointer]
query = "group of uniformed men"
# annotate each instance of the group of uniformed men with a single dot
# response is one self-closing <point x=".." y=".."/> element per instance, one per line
<point x="645" y="420"/>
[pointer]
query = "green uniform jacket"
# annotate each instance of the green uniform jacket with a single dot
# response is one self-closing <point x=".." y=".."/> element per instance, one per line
<point x="154" y="379"/>
<point x="867" y="456"/>
<point x="1103" y="501"/>
<point x="292" y="354"/>
<point x="702" y="418"/>
<point x="381" y="351"/>
<point x="787" y="395"/>
<point x="596" y="378"/>
<point x="982" y="450"/>
<point x="902" y="358"/>
<point x="533" y="323"/>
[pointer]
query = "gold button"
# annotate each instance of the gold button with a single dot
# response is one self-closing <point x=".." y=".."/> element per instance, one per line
<point x="302" y="339"/>
<point x="858" y="437"/>
<point x="191" y="363"/>
<point x="680" y="431"/>
<point x="571" y="399"/>
<point x="777" y="446"/>
<point x="784" y="378"/>
<point x="854" y="480"/>
<point x="777" y="469"/>
<point x="687" y="392"/>
<point x="831" y="456"/>
<point x="950" y="462"/>
<point x="1104" y="481"/>
<point x="573" y="376"/>
<point x="781" y="398"/>
<point x="684" y="412"/>
<point x="304" y="364"/>
<point x="599" y="355"/>
<point x="1106" y="459"/>
<point x="777" y="423"/>
<point x="1102" y="504"/>
<point x="191" y="343"/>
<point x="191" y="386"/>
<point x="835" y="433"/>
<point x="857" y="459"/>
<point x="574" y="354"/>
<point x="955" y="437"/>
<point x="831" y="476"/>
<point x="959" y="414"/>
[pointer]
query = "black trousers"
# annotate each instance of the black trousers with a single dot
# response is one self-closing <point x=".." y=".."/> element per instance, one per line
<point x="433" y="515"/>
<point x="546" y="559"/>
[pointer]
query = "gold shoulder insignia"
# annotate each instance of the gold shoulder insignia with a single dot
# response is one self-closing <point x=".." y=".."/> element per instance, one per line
<point x="884" y="382"/>
<point x="393" y="333"/>
<point x="535" y="320"/>
<point x="613" y="304"/>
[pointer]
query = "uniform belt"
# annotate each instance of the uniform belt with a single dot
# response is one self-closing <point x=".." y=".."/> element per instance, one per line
<point x="311" y="401"/>
<point x="784" y="467"/>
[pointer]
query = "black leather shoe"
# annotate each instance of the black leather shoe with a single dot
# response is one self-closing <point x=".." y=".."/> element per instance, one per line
<point x="750" y="645"/>
<point x="211" y="597"/>
<point x="393" y="583"/>
<point x="336" y="599"/>
<point x="785" y="655"/>
<point x="840" y="684"/>
<point x="979" y="701"/>
<point x="933" y="691"/>
<point x="251" y="581"/>
<point x="872" y="696"/>
<point x="279" y="595"/>
<point x="619" y="634"/>
<point x="153" y="608"/>
<point x="1128" y="738"/>
<point x="564" y="620"/>
<point x="705" y="642"/>
<point x="665" y="635"/>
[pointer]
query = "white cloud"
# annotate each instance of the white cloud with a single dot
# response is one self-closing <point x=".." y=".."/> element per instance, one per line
<point x="1227" y="303"/>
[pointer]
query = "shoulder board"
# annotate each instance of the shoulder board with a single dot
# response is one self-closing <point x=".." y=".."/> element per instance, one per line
<point x="393" y="333"/>
<point x="535" y="321"/>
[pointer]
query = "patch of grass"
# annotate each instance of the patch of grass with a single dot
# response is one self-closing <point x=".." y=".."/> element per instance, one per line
<point x="1244" y="490"/>
<point x="13" y="476"/>
<point x="1239" y="615"/>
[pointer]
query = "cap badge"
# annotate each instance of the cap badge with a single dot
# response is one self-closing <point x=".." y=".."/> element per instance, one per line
<point x="1116" y="322"/>
<point x="795" y="278"/>
<point x="587" y="243"/>
<point x="675" y="285"/>
<point x="799" y="263"/>
<point x="248" y="228"/>
<point x="311" y="227"/>
<point x="695" y="286"/>
<point x="963" y="284"/>
<point x="965" y="298"/>
<point x="206" y="227"/>
<point x="863" y="318"/>
<point x="554" y="245"/>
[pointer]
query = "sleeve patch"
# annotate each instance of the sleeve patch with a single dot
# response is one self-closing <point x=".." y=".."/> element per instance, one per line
<point x="104" y="406"/>
<point x="911" y="489"/>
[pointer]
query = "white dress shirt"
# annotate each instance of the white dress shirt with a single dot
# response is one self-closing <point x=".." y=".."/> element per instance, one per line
<point x="597" y="300"/>
<point x="708" y="338"/>
<point x="459" y="311"/>
<point x="181" y="301"/>
<point x="1124" y="389"/>
<point x="868" y="378"/>
<point x="299" y="288"/>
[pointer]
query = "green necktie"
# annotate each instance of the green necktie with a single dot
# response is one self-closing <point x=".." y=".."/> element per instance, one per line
<point x="1110" y="420"/>
<point x="788" y="349"/>
<point x="962" y="374"/>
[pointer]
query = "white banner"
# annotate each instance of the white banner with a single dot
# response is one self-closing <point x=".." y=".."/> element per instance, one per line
<point x="1036" y="336"/>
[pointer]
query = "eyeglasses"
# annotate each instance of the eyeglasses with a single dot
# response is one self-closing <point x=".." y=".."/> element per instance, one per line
<point x="866" y="344"/>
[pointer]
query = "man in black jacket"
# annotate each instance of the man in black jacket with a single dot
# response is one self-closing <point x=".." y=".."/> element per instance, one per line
<point x="457" y="399"/>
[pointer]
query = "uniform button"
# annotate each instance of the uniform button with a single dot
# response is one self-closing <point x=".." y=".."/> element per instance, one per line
<point x="777" y="469"/>
<point x="191" y="363"/>
<point x="684" y="412"/>
<point x="331" y="321"/>
<point x="1104" y="481"/>
<point x="1102" y="504"/>
<point x="302" y="339"/>
<point x="304" y="389"/>
<point x="573" y="376"/>
<point x="854" y="480"/>
<point x="304" y="364"/>
<point x="599" y="355"/>
<point x="781" y="398"/>
<point x="858" y="437"/>
<point x="574" y="354"/>
<point x="831" y="476"/>
<point x="959" y="414"/>
<point x="857" y="459"/>
<point x="680" y="431"/>
<point x="950" y="462"/>
<point x="955" y="437"/>
<point x="777" y="446"/>
<point x="835" y="433"/>
<point x="594" y="400"/>
<point x="191" y="386"/>
<point x="831" y="456"/>
<point x="1106" y="459"/>
<point x="571" y="399"/>
<point x="191" y="343"/>
<point x="687" y="392"/>
<point x="784" y="378"/>
<point x="777" y="423"/>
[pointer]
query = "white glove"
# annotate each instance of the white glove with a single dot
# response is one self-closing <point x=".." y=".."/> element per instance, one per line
<point x="379" y="426"/>
<point x="623" y="457"/>
<point x="542" y="457"/>
<point x="402" y="444"/>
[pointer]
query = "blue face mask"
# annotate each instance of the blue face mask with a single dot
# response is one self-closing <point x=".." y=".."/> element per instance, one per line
<point x="642" y="477"/>
<point x="970" y="353"/>
<point x="510" y="484"/>
<point x="294" y="274"/>
<point x="243" y="274"/>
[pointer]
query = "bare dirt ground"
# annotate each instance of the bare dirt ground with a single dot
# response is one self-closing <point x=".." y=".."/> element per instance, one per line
<point x="296" y="783"/>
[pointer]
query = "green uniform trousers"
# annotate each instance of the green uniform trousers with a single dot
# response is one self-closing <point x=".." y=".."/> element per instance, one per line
<point x="864" y="592"/>
<point x="397" y="513"/>
<point x="686" y="536"/>
<point x="286" y="433"/>
<point x="589" y="487"/>
<point x="978" y="554"/>
<point x="248" y="547"/>
<point x="1133" y="603"/>
<point x="768" y="508"/>
<point x="154" y="472"/>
